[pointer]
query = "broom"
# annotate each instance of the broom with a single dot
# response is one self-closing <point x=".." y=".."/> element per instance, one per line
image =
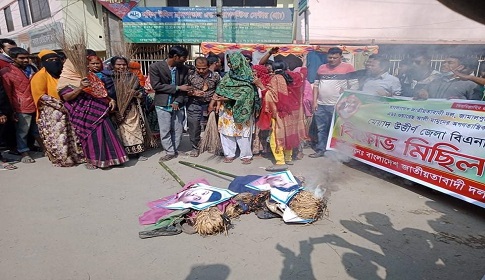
<point x="211" y="140"/>
<point x="73" y="42"/>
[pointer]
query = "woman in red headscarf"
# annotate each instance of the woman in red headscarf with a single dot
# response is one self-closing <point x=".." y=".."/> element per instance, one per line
<point x="135" y="68"/>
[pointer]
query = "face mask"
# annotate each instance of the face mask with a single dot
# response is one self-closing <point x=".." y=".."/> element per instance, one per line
<point x="53" y="67"/>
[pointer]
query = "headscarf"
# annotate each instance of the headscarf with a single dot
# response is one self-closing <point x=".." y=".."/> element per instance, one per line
<point x="54" y="68"/>
<point x="307" y="91"/>
<point x="262" y="74"/>
<point x="135" y="68"/>
<point x="71" y="78"/>
<point x="237" y="85"/>
<point x="43" y="83"/>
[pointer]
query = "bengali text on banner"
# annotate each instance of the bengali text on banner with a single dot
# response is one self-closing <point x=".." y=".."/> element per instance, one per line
<point x="437" y="143"/>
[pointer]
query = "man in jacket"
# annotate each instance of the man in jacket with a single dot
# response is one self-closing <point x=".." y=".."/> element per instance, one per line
<point x="168" y="79"/>
<point x="5" y="46"/>
<point x="16" y="80"/>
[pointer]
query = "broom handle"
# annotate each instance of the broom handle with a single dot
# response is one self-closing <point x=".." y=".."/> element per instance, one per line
<point x="195" y="165"/>
<point x="177" y="178"/>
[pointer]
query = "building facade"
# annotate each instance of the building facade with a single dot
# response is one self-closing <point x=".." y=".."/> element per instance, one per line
<point x="33" y="24"/>
<point x="387" y="22"/>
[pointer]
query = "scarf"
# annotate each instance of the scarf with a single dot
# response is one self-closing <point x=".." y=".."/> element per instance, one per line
<point x="70" y="78"/>
<point x="237" y="85"/>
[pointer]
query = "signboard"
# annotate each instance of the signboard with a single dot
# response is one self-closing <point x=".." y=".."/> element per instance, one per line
<point x="437" y="143"/>
<point x="199" y="24"/>
<point x="45" y="37"/>
<point x="119" y="7"/>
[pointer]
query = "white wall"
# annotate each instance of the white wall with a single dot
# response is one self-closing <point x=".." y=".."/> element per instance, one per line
<point x="379" y="21"/>
<point x="67" y="12"/>
<point x="82" y="14"/>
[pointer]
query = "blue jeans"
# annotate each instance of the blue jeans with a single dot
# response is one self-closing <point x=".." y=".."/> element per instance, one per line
<point x="171" y="129"/>
<point x="323" y="120"/>
<point x="25" y="125"/>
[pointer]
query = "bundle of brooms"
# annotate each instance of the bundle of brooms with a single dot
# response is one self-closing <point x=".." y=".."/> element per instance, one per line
<point x="307" y="206"/>
<point x="211" y="140"/>
<point x="211" y="221"/>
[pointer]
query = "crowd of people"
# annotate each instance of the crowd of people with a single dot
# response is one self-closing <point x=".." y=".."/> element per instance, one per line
<point x="265" y="109"/>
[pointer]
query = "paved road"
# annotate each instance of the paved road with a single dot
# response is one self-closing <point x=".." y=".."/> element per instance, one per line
<point x="73" y="223"/>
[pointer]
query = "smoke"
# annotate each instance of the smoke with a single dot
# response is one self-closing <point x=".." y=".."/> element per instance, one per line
<point x="323" y="183"/>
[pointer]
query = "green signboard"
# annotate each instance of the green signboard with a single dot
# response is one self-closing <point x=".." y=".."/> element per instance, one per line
<point x="196" y="25"/>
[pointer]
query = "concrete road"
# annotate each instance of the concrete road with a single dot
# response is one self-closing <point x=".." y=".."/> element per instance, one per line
<point x="74" y="223"/>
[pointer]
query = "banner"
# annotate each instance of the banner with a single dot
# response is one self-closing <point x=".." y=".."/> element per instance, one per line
<point x="437" y="143"/>
<point x="199" y="24"/>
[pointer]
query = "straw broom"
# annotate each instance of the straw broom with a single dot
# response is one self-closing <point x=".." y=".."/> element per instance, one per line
<point x="73" y="42"/>
<point x="124" y="85"/>
<point x="211" y="140"/>
<point x="307" y="206"/>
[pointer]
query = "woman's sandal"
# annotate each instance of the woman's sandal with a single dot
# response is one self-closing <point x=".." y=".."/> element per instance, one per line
<point x="246" y="161"/>
<point x="8" y="166"/>
<point x="228" y="160"/>
<point x="90" y="166"/>
<point x="27" y="159"/>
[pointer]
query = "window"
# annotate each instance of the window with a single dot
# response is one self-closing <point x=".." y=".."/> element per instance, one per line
<point x="250" y="3"/>
<point x="39" y="9"/>
<point x="178" y="3"/>
<point x="8" y="18"/>
<point x="24" y="13"/>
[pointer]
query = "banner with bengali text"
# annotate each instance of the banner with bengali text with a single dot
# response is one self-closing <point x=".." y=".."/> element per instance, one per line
<point x="437" y="143"/>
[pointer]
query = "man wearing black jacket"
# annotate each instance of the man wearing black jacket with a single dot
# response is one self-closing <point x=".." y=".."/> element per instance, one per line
<point x="169" y="80"/>
<point x="5" y="114"/>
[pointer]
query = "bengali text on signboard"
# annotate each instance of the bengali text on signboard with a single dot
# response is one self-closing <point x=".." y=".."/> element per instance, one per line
<point x="199" y="24"/>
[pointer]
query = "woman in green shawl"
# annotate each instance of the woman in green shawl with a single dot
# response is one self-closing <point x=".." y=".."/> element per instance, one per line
<point x="240" y="102"/>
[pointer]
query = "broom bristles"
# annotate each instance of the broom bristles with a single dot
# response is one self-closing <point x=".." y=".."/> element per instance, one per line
<point x="73" y="42"/>
<point x="124" y="85"/>
<point x="211" y="140"/>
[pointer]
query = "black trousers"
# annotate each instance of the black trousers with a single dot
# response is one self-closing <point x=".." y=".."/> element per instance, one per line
<point x="195" y="112"/>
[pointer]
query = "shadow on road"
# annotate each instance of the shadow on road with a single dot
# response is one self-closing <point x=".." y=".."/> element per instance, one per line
<point x="389" y="253"/>
<point x="209" y="272"/>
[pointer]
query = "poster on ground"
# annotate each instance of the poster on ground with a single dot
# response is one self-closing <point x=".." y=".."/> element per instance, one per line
<point x="437" y="143"/>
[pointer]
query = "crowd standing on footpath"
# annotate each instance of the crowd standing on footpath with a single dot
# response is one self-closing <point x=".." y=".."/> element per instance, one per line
<point x="265" y="110"/>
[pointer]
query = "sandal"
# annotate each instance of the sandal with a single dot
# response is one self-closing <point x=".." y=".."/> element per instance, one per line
<point x="277" y="167"/>
<point x="228" y="160"/>
<point x="142" y="158"/>
<point x="164" y="231"/>
<point x="27" y="159"/>
<point x="246" y="161"/>
<point x="7" y="166"/>
<point x="89" y="166"/>
<point x="194" y="153"/>
<point x="167" y="157"/>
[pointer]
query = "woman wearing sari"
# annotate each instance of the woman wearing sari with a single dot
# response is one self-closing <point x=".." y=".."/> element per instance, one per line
<point x="129" y="118"/>
<point x="61" y="144"/>
<point x="262" y="128"/>
<point x="88" y="104"/>
<point x="283" y="101"/>
<point x="236" y="115"/>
